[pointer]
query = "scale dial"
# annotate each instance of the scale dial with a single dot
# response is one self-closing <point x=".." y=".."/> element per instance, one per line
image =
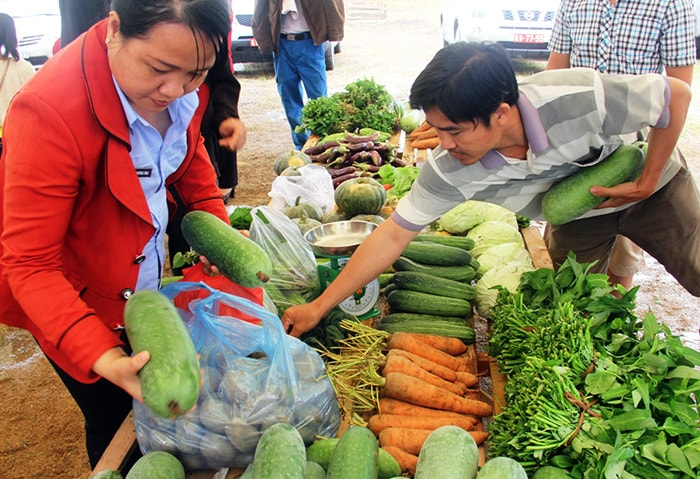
<point x="361" y="301"/>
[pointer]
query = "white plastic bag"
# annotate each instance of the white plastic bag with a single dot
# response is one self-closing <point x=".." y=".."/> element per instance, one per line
<point x="315" y="185"/>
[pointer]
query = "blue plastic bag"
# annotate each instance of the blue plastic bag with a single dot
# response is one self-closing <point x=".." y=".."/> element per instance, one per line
<point x="254" y="376"/>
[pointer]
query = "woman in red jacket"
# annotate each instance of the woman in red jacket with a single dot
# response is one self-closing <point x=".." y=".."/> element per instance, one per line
<point x="91" y="146"/>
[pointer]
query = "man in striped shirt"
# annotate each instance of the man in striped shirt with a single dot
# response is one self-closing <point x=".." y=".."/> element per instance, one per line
<point x="508" y="143"/>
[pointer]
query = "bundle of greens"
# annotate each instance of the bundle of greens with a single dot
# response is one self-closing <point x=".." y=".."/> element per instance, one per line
<point x="363" y="104"/>
<point x="591" y="387"/>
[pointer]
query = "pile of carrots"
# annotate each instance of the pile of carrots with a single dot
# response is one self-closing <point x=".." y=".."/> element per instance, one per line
<point x="429" y="382"/>
<point x="423" y="137"/>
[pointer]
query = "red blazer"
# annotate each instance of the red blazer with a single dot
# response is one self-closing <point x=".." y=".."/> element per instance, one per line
<point x="74" y="216"/>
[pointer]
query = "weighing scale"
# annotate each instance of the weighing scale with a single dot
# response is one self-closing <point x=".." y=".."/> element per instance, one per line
<point x="333" y="243"/>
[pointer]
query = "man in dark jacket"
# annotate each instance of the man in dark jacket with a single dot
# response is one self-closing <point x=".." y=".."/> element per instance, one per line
<point x="295" y="31"/>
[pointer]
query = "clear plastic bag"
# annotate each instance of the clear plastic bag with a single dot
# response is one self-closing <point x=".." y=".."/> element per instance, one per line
<point x="294" y="278"/>
<point x="254" y="376"/>
<point x="315" y="185"/>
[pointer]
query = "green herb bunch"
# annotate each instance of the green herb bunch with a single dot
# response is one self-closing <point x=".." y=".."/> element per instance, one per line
<point x="363" y="104"/>
<point x="591" y="387"/>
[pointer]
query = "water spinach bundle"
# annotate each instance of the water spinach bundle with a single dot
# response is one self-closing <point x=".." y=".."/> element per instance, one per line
<point x="591" y="387"/>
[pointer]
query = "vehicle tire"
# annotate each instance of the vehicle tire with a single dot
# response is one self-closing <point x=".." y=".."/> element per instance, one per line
<point x="330" y="57"/>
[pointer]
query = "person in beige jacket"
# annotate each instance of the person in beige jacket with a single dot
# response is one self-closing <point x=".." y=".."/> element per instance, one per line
<point x="294" y="31"/>
<point x="14" y="71"/>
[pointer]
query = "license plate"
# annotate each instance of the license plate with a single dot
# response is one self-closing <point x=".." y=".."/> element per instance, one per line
<point x="529" y="38"/>
<point x="253" y="42"/>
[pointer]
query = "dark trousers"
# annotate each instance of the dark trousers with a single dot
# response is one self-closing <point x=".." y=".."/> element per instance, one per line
<point x="104" y="407"/>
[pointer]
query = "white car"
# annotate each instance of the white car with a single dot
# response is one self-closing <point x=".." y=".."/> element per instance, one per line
<point x="522" y="27"/>
<point x="38" y="25"/>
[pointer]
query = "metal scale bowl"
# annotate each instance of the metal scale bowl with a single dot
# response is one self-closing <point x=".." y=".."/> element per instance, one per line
<point x="335" y="242"/>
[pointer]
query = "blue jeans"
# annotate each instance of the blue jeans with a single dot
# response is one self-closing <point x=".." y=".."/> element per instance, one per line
<point x="299" y="62"/>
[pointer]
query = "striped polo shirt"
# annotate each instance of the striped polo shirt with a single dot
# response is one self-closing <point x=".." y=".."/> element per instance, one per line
<point x="573" y="118"/>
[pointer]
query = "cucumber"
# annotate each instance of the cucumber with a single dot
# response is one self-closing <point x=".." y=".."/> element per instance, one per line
<point x="427" y="283"/>
<point x="436" y="254"/>
<point x="396" y="318"/>
<point x="157" y="465"/>
<point x="449" y="240"/>
<point x="500" y="467"/>
<point x="551" y="472"/>
<point x="356" y="456"/>
<point x="438" y="326"/>
<point x="449" y="452"/>
<point x="238" y="257"/>
<point x="406" y="301"/>
<point x="170" y="380"/>
<point x="457" y="273"/>
<point x="280" y="454"/>
<point x="571" y="197"/>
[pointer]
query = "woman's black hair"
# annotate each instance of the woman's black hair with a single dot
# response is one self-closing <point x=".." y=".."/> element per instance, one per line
<point x="8" y="37"/>
<point x="466" y="82"/>
<point x="211" y="18"/>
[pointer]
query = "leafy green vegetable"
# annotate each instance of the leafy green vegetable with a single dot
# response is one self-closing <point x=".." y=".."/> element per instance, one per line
<point x="363" y="104"/>
<point x="591" y="387"/>
<point x="240" y="218"/>
<point x="400" y="179"/>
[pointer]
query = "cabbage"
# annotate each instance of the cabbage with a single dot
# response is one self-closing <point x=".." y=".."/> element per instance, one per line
<point x="410" y="120"/>
<point x="505" y="275"/>
<point x="463" y="217"/>
<point x="496" y="212"/>
<point x="491" y="233"/>
<point x="504" y="253"/>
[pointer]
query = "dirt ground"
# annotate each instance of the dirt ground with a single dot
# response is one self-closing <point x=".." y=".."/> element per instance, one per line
<point x="41" y="429"/>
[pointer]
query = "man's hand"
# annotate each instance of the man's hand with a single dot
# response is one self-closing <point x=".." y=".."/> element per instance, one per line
<point x="301" y="318"/>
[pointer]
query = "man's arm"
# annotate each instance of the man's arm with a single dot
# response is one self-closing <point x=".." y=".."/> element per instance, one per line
<point x="684" y="73"/>
<point x="558" y="61"/>
<point x="662" y="142"/>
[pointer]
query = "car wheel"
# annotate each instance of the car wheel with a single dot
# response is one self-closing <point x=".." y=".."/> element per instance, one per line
<point x="330" y="57"/>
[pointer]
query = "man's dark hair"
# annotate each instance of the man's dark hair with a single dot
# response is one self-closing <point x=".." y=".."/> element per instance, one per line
<point x="466" y="82"/>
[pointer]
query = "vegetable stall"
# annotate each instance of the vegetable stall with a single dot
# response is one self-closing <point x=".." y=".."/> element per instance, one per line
<point x="470" y="357"/>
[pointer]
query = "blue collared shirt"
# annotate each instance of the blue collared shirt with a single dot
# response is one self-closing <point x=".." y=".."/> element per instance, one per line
<point x="155" y="158"/>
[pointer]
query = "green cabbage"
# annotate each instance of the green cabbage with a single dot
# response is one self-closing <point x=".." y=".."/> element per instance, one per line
<point x="504" y="253"/>
<point x="463" y="217"/>
<point x="505" y="275"/>
<point x="496" y="212"/>
<point x="410" y="120"/>
<point x="491" y="233"/>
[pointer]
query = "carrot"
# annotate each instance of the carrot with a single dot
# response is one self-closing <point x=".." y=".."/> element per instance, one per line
<point x="425" y="144"/>
<point x="407" y="462"/>
<point x="424" y="135"/>
<point x="445" y="344"/>
<point x="378" y="422"/>
<point x="466" y="378"/>
<point x="394" y="406"/>
<point x="430" y="366"/>
<point x="411" y="440"/>
<point x="400" y="364"/>
<point x="411" y="390"/>
<point x="421" y="128"/>
<point x="412" y="345"/>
